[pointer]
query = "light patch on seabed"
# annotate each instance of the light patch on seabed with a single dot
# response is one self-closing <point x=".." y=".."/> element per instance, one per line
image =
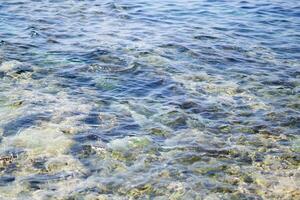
<point x="139" y="118"/>
<point x="208" y="110"/>
<point x="218" y="89"/>
<point x="42" y="142"/>
<point x="50" y="140"/>
<point x="9" y="65"/>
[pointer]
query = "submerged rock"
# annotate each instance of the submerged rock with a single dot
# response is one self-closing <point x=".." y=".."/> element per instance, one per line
<point x="6" y="160"/>
<point x="17" y="70"/>
<point x="40" y="141"/>
<point x="131" y="149"/>
<point x="106" y="68"/>
<point x="107" y="121"/>
<point x="188" y="105"/>
<point x="159" y="132"/>
<point x="173" y="119"/>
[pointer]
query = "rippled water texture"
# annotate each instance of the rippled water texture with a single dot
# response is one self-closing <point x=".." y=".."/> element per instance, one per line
<point x="136" y="99"/>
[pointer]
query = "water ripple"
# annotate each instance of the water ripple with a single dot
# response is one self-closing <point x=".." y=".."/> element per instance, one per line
<point x="149" y="99"/>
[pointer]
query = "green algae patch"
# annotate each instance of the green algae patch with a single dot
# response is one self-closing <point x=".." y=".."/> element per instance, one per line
<point x="144" y="190"/>
<point x="159" y="132"/>
<point x="296" y="145"/>
<point x="130" y="143"/>
<point x="106" y="83"/>
<point x="173" y="119"/>
<point x="154" y="60"/>
<point x="129" y="147"/>
<point x="137" y="142"/>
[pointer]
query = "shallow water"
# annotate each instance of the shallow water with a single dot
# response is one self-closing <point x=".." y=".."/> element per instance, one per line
<point x="154" y="99"/>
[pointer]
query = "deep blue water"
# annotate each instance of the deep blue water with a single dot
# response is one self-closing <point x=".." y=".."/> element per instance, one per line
<point x="153" y="99"/>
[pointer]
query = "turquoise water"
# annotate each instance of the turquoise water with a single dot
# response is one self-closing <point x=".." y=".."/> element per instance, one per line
<point x="149" y="99"/>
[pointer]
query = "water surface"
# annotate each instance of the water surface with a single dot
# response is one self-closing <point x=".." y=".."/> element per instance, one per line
<point x="136" y="99"/>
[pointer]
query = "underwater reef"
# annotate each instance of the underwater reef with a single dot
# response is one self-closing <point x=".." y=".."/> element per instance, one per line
<point x="162" y="100"/>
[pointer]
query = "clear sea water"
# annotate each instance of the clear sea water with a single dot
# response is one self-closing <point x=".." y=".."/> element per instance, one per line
<point x="136" y="99"/>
